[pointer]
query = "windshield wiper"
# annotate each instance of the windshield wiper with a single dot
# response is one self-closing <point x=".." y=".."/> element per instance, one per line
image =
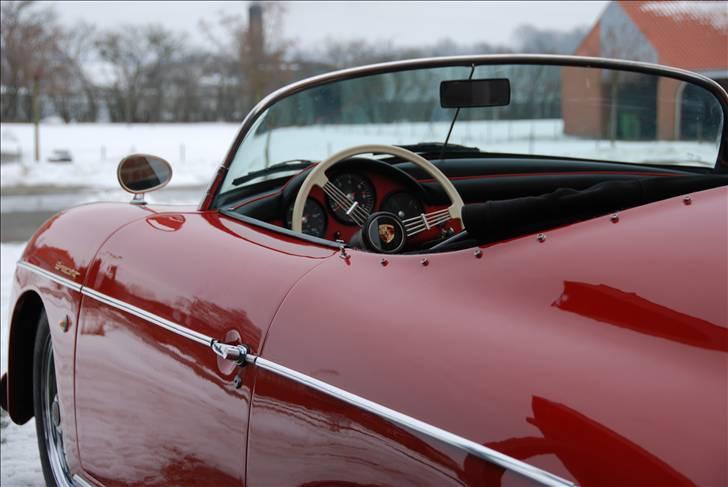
<point x="290" y="165"/>
<point x="436" y="148"/>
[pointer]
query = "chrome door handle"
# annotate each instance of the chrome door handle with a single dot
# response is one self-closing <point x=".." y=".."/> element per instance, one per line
<point x="234" y="353"/>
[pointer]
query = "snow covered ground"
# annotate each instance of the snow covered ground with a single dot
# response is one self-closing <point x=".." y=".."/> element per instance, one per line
<point x="196" y="150"/>
<point x="19" y="462"/>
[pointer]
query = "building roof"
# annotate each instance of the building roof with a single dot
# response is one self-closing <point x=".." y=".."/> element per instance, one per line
<point x="686" y="34"/>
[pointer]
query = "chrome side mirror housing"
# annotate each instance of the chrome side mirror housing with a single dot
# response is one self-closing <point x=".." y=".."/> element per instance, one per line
<point x="142" y="173"/>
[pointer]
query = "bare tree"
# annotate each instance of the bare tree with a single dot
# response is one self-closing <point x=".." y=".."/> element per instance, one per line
<point x="258" y="50"/>
<point x="531" y="39"/>
<point x="31" y="60"/>
<point x="138" y="58"/>
<point x="75" y="97"/>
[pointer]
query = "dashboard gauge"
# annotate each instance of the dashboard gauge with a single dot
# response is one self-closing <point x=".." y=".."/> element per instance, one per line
<point x="357" y="188"/>
<point x="314" y="218"/>
<point x="404" y="205"/>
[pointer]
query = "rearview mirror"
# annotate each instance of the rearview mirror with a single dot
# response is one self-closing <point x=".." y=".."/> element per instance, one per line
<point x="472" y="93"/>
<point x="142" y="173"/>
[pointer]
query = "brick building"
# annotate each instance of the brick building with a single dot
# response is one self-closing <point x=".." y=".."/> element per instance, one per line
<point x="688" y="35"/>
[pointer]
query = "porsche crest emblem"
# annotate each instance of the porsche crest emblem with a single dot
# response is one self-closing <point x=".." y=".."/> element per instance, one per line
<point x="386" y="232"/>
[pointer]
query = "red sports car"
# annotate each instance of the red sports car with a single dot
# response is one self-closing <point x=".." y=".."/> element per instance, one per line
<point x="487" y="270"/>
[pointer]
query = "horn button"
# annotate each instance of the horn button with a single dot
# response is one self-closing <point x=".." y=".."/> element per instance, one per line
<point x="384" y="232"/>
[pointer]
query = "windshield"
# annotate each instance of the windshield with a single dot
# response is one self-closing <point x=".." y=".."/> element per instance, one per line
<point x="556" y="111"/>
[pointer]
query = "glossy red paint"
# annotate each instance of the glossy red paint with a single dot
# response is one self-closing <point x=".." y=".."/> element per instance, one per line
<point x="566" y="354"/>
<point x="598" y="355"/>
<point x="59" y="302"/>
<point x="59" y="241"/>
<point x="72" y="237"/>
<point x="153" y="398"/>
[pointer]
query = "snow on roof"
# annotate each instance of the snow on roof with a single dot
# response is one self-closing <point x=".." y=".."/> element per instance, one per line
<point x="715" y="13"/>
<point x="686" y="34"/>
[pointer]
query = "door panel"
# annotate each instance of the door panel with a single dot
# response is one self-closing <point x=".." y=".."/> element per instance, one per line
<point x="579" y="355"/>
<point x="302" y="437"/>
<point x="155" y="407"/>
<point x="152" y="409"/>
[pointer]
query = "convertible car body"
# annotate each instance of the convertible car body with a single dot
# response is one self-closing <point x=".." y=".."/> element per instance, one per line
<point x="354" y="304"/>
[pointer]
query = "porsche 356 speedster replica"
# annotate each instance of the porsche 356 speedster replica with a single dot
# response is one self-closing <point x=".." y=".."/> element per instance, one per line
<point x="455" y="271"/>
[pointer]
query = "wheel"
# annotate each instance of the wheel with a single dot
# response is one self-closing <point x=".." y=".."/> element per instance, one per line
<point x="48" y="425"/>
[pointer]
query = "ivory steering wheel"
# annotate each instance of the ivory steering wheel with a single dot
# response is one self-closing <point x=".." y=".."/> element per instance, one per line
<point x="411" y="226"/>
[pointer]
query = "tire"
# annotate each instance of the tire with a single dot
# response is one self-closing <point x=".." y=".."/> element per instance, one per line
<point x="48" y="426"/>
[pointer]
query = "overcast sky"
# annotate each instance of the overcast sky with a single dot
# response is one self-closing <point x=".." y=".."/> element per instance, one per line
<point x="308" y="23"/>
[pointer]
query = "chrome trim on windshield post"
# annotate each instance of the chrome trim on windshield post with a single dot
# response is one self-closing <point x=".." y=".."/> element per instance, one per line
<point x="50" y="275"/>
<point x="511" y="464"/>
<point x="465" y="61"/>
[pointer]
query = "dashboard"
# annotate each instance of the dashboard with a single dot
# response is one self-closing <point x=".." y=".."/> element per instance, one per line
<point x="374" y="185"/>
<point x="407" y="192"/>
<point x="325" y="218"/>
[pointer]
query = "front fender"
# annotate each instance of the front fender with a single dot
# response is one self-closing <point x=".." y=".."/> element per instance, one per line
<point x="65" y="245"/>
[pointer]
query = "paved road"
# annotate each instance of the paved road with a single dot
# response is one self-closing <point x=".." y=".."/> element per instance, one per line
<point x="18" y="227"/>
<point x="26" y="209"/>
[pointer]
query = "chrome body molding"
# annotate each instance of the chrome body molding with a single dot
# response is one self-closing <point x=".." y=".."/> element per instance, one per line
<point x="121" y="305"/>
<point x="150" y="317"/>
<point x="511" y="464"/>
<point x="51" y="276"/>
<point x="79" y="481"/>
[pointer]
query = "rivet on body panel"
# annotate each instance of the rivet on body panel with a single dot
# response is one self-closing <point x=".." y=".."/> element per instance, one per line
<point x="478" y="253"/>
<point x="65" y="323"/>
<point x="384" y="262"/>
<point x="614" y="218"/>
<point x="343" y="254"/>
<point x="687" y="200"/>
<point x="424" y="261"/>
<point x="541" y="237"/>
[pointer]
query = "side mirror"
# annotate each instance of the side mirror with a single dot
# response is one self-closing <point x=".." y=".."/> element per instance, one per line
<point x="142" y="173"/>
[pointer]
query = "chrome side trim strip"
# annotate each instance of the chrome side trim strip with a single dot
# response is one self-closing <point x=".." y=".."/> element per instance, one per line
<point x="80" y="481"/>
<point x="50" y="275"/>
<point x="121" y="305"/>
<point x="150" y="317"/>
<point x="490" y="455"/>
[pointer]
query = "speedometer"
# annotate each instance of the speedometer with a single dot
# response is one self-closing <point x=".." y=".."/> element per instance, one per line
<point x="403" y="204"/>
<point x="314" y="218"/>
<point x="357" y="188"/>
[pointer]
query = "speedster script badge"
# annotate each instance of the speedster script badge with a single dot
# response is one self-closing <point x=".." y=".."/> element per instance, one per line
<point x="66" y="270"/>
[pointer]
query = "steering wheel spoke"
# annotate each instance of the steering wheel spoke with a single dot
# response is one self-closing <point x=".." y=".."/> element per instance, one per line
<point x="426" y="221"/>
<point x="378" y="226"/>
<point x="357" y="213"/>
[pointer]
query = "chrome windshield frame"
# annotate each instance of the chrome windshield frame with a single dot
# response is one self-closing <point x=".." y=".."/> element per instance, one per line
<point x="464" y="61"/>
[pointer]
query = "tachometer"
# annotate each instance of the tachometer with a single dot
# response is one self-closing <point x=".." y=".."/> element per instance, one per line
<point x="404" y="205"/>
<point x="314" y="218"/>
<point x="357" y="188"/>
